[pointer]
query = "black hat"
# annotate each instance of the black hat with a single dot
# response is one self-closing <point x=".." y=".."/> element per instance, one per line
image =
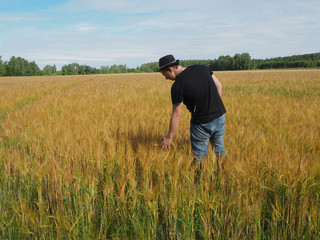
<point x="167" y="61"/>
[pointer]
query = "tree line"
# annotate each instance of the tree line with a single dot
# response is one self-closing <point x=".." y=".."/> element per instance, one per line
<point x="18" y="66"/>
<point x="244" y="62"/>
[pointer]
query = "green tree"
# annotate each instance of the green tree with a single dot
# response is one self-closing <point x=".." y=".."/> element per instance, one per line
<point x="225" y="63"/>
<point x="32" y="69"/>
<point x="2" y="67"/>
<point x="114" y="69"/>
<point x="21" y="67"/>
<point x="242" y="61"/>
<point x="245" y="61"/>
<point x="149" y="67"/>
<point x="81" y="69"/>
<point x="10" y="67"/>
<point x="49" y="70"/>
<point x="237" y="65"/>
<point x="70" y="69"/>
<point x="104" y="69"/>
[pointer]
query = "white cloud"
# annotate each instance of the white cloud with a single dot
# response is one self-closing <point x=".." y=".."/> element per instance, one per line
<point x="85" y="27"/>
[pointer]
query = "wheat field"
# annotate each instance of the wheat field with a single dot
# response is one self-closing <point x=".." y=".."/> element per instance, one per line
<point x="80" y="159"/>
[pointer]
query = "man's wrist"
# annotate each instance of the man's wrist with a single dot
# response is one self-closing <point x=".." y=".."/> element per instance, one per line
<point x="169" y="137"/>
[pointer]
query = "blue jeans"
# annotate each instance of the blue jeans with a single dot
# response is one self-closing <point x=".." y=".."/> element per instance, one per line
<point x="201" y="134"/>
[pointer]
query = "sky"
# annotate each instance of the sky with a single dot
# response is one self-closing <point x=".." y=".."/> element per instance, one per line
<point x="132" y="32"/>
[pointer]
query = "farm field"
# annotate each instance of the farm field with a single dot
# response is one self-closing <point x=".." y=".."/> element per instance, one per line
<point x="80" y="159"/>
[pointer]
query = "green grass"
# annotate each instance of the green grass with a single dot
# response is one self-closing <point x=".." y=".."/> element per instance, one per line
<point x="280" y="210"/>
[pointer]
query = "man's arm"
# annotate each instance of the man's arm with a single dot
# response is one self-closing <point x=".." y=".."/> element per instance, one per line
<point x="174" y="123"/>
<point x="218" y="84"/>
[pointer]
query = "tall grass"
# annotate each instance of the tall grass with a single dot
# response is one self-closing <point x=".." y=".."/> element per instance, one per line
<point x="80" y="159"/>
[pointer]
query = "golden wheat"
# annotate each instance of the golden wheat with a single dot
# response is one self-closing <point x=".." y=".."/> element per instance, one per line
<point x="101" y="133"/>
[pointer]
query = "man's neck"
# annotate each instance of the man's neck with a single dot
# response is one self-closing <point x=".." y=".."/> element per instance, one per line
<point x="179" y="70"/>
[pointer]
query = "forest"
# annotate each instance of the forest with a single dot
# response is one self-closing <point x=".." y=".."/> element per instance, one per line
<point x="18" y="66"/>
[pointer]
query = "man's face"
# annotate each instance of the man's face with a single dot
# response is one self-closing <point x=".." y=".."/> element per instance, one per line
<point x="169" y="74"/>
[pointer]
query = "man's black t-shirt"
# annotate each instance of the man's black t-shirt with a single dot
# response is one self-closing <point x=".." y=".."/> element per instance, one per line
<point x="196" y="89"/>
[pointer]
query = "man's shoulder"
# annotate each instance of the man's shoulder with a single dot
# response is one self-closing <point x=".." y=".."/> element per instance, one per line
<point x="196" y="68"/>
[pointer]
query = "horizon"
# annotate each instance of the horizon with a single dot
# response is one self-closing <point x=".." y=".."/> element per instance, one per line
<point x="60" y="69"/>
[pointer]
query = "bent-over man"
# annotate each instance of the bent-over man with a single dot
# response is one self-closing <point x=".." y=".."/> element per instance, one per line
<point x="199" y="89"/>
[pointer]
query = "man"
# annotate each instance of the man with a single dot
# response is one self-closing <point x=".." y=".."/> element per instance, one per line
<point x="199" y="89"/>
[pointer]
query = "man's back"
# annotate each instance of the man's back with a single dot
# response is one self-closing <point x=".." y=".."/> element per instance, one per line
<point x="195" y="87"/>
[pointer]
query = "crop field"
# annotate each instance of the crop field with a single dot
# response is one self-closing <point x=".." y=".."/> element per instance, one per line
<point x="80" y="159"/>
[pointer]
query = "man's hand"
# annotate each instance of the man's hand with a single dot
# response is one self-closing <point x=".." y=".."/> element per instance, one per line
<point x="166" y="143"/>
